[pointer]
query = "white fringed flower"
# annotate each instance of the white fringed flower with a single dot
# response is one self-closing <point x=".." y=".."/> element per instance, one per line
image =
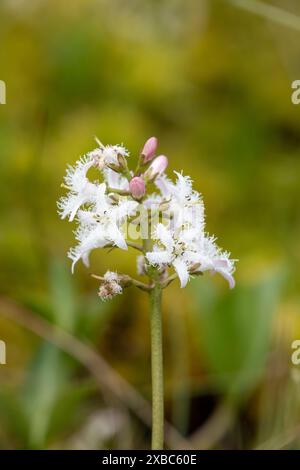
<point x="114" y="180"/>
<point x="183" y="244"/>
<point x="101" y="226"/>
<point x="99" y="216"/>
<point x="107" y="154"/>
<point x="189" y="252"/>
<point x="81" y="190"/>
<point x="174" y="248"/>
<point x="211" y="258"/>
<point x="180" y="192"/>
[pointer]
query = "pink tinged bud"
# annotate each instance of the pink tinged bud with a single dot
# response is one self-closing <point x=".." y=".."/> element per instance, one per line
<point x="137" y="187"/>
<point x="157" y="167"/>
<point x="149" y="149"/>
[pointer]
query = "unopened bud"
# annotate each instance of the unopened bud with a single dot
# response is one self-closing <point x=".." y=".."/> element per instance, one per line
<point x="149" y="149"/>
<point x="137" y="187"/>
<point x="157" y="167"/>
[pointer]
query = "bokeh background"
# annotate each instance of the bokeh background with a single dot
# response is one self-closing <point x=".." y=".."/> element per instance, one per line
<point x="212" y="79"/>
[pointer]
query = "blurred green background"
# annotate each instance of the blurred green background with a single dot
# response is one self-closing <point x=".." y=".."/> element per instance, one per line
<point x="212" y="80"/>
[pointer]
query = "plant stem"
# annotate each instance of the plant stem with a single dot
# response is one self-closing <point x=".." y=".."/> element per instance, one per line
<point x="121" y="192"/>
<point x="157" y="369"/>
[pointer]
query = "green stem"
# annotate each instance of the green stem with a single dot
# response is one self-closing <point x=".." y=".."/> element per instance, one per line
<point x="121" y="192"/>
<point x="157" y="369"/>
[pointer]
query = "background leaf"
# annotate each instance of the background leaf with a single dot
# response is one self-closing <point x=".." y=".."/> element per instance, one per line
<point x="234" y="330"/>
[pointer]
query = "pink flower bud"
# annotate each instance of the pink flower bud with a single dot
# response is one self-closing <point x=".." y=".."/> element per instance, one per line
<point x="149" y="149"/>
<point x="157" y="167"/>
<point x="137" y="187"/>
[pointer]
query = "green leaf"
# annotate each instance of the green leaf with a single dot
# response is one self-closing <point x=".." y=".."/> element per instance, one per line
<point x="68" y="401"/>
<point x="234" y="329"/>
<point x="13" y="418"/>
<point x="63" y="297"/>
<point x="47" y="377"/>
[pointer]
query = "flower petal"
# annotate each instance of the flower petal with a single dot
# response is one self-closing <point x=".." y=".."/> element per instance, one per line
<point x="165" y="185"/>
<point x="115" y="235"/>
<point x="164" y="236"/>
<point x="226" y="276"/>
<point x="159" y="257"/>
<point x="182" y="271"/>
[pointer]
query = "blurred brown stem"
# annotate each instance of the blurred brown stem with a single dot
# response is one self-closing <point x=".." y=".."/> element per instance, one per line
<point x="214" y="428"/>
<point x="280" y="441"/>
<point x="105" y="376"/>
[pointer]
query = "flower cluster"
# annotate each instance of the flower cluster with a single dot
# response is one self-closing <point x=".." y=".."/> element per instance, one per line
<point x="104" y="208"/>
<point x="183" y="243"/>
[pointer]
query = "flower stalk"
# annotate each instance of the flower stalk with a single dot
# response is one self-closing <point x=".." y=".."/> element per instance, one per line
<point x="157" y="368"/>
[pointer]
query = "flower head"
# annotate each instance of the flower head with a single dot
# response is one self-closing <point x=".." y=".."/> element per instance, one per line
<point x="105" y="155"/>
<point x="176" y="210"/>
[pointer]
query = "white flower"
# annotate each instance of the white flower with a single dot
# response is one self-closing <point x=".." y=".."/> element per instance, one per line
<point x="183" y="244"/>
<point x="164" y="184"/>
<point x="185" y="205"/>
<point x="181" y="191"/>
<point x="99" y="217"/>
<point x="82" y="191"/>
<point x="212" y="258"/>
<point x="174" y="249"/>
<point x="114" y="180"/>
<point x="189" y="252"/>
<point x="89" y="239"/>
<point x="107" y="154"/>
<point x="100" y="227"/>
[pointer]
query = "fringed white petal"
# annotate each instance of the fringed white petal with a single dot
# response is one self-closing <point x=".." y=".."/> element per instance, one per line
<point x="165" y="185"/>
<point x="163" y="235"/>
<point x="182" y="270"/>
<point x="159" y="257"/>
<point x="115" y="180"/>
<point x="226" y="276"/>
<point x="114" y="234"/>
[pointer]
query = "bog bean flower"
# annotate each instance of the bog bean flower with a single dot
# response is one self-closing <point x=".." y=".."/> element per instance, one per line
<point x="168" y="218"/>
